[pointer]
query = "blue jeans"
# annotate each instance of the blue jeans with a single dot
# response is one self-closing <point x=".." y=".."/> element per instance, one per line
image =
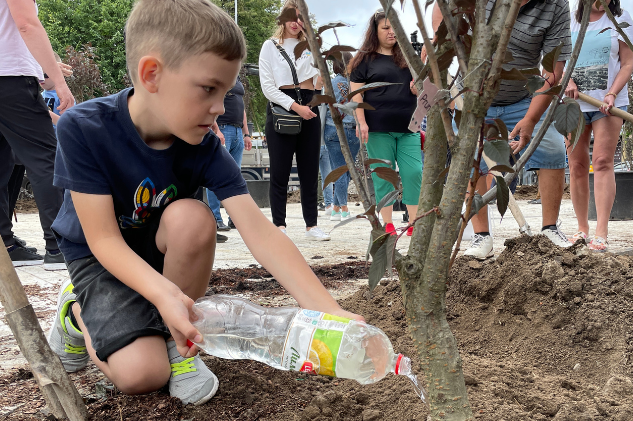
<point x="550" y="153"/>
<point x="325" y="168"/>
<point x="338" y="160"/>
<point x="234" y="142"/>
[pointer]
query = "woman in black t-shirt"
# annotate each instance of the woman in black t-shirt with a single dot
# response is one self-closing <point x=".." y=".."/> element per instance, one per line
<point x="386" y="129"/>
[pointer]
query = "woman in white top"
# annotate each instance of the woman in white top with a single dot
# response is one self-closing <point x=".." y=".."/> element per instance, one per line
<point x="602" y="71"/>
<point x="277" y="83"/>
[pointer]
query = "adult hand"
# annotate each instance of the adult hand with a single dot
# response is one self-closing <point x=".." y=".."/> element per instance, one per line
<point x="608" y="102"/>
<point x="303" y="110"/>
<point x="524" y="130"/>
<point x="66" y="99"/>
<point x="572" y="89"/>
<point x="414" y="90"/>
<point x="362" y="132"/>
<point x="176" y="309"/>
<point x="66" y="69"/>
<point x="248" y="143"/>
<point x="221" y="136"/>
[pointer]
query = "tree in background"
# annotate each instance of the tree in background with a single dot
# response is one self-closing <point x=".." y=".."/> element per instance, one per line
<point x="75" y="23"/>
<point x="100" y="23"/>
<point x="86" y="82"/>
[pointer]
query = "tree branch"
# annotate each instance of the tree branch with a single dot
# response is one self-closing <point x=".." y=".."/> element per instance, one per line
<point x="452" y="32"/>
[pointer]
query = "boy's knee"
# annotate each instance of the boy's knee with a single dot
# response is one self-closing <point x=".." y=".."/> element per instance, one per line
<point x="141" y="380"/>
<point x="191" y="220"/>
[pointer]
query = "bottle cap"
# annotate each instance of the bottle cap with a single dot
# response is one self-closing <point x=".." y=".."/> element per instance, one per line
<point x="398" y="364"/>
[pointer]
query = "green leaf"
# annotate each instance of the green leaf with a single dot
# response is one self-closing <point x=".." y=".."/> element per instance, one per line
<point x="320" y="99"/>
<point x="370" y="161"/>
<point x="377" y="238"/>
<point x="389" y="175"/>
<point x="512" y="74"/>
<point x="378" y="266"/>
<point x="478" y="203"/>
<point x="554" y="90"/>
<point x="575" y="134"/>
<point x="445" y="60"/>
<point x="335" y="175"/>
<point x="503" y="195"/>
<point x="502" y="168"/>
<point x="534" y="83"/>
<point x="368" y="87"/>
<point x="623" y="25"/>
<point x="532" y="71"/>
<point x="392" y="195"/>
<point x="566" y="117"/>
<point x="550" y="59"/>
<point x="498" y="151"/>
<point x="503" y="129"/>
<point x="337" y="24"/>
<point x="300" y="47"/>
<point x="443" y="173"/>
<point x="347" y="221"/>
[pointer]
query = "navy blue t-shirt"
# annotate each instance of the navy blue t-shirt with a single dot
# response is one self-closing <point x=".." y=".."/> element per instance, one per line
<point x="100" y="152"/>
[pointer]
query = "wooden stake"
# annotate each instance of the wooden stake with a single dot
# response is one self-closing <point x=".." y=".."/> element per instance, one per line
<point x="59" y="392"/>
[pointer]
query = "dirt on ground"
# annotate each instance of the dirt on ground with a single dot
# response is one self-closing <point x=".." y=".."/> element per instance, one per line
<point x="544" y="334"/>
<point x="26" y="206"/>
<point x="529" y="192"/>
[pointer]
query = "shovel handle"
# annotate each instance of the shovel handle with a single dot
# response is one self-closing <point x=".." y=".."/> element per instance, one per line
<point x="614" y="111"/>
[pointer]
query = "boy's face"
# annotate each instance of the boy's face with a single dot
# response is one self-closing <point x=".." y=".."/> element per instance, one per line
<point x="47" y="83"/>
<point x="190" y="98"/>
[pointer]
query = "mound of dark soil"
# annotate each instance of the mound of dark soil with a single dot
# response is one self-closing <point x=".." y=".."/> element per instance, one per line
<point x="544" y="333"/>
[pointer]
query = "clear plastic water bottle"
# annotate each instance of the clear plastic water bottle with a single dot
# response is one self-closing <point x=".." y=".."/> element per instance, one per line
<point x="291" y="338"/>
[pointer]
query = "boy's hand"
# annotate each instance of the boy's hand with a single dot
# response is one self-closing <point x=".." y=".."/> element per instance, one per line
<point x="66" y="69"/>
<point x="176" y="309"/>
<point x="66" y="99"/>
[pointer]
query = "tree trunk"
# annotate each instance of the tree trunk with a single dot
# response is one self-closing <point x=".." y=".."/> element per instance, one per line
<point x="60" y="394"/>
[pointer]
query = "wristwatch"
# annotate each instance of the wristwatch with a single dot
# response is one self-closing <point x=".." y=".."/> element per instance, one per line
<point x="246" y="135"/>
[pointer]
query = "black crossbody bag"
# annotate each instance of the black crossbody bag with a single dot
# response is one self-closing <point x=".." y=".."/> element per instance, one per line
<point x="287" y="122"/>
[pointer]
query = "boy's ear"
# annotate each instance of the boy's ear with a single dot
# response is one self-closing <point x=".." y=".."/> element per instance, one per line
<point x="149" y="72"/>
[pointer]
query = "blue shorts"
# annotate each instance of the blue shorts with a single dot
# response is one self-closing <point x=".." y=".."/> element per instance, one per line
<point x="592" y="116"/>
<point x="550" y="153"/>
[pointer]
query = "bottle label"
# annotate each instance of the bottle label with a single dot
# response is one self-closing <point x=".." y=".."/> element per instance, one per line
<point x="313" y="342"/>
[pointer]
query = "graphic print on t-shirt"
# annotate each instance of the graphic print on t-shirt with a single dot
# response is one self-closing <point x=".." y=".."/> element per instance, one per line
<point x="146" y="201"/>
<point x="592" y="69"/>
<point x="50" y="103"/>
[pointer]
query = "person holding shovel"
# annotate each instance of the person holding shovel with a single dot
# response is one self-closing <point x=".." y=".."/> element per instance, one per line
<point x="604" y="66"/>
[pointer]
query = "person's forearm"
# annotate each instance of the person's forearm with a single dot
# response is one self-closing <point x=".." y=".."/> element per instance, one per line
<point x="36" y="40"/>
<point x="360" y="112"/>
<point x="118" y="258"/>
<point x="245" y="125"/>
<point x="539" y="103"/>
<point x="623" y="76"/>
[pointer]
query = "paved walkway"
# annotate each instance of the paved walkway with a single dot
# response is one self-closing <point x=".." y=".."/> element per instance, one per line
<point x="349" y="240"/>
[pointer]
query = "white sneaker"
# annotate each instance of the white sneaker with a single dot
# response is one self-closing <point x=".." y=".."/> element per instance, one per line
<point x="346" y="215"/>
<point x="191" y="380"/>
<point x="335" y="216"/>
<point x="328" y="210"/>
<point x="317" y="235"/>
<point x="557" y="237"/>
<point x="480" y="248"/>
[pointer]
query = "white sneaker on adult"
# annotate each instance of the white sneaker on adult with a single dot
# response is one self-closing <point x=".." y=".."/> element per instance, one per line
<point x="557" y="237"/>
<point x="328" y="210"/>
<point x="316" y="234"/>
<point x="480" y="248"/>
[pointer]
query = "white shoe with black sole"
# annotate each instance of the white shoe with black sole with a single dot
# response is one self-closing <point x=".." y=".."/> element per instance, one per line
<point x="481" y="247"/>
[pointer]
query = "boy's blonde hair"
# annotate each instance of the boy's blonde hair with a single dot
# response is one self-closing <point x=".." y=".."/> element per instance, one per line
<point x="281" y="29"/>
<point x="179" y="29"/>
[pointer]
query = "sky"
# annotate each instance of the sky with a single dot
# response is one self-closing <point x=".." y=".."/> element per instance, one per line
<point x="358" y="12"/>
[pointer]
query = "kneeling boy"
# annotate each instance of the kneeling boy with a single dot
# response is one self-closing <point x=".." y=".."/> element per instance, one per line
<point x="139" y="249"/>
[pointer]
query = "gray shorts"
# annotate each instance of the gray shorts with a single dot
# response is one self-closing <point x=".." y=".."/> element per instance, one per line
<point x="114" y="314"/>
